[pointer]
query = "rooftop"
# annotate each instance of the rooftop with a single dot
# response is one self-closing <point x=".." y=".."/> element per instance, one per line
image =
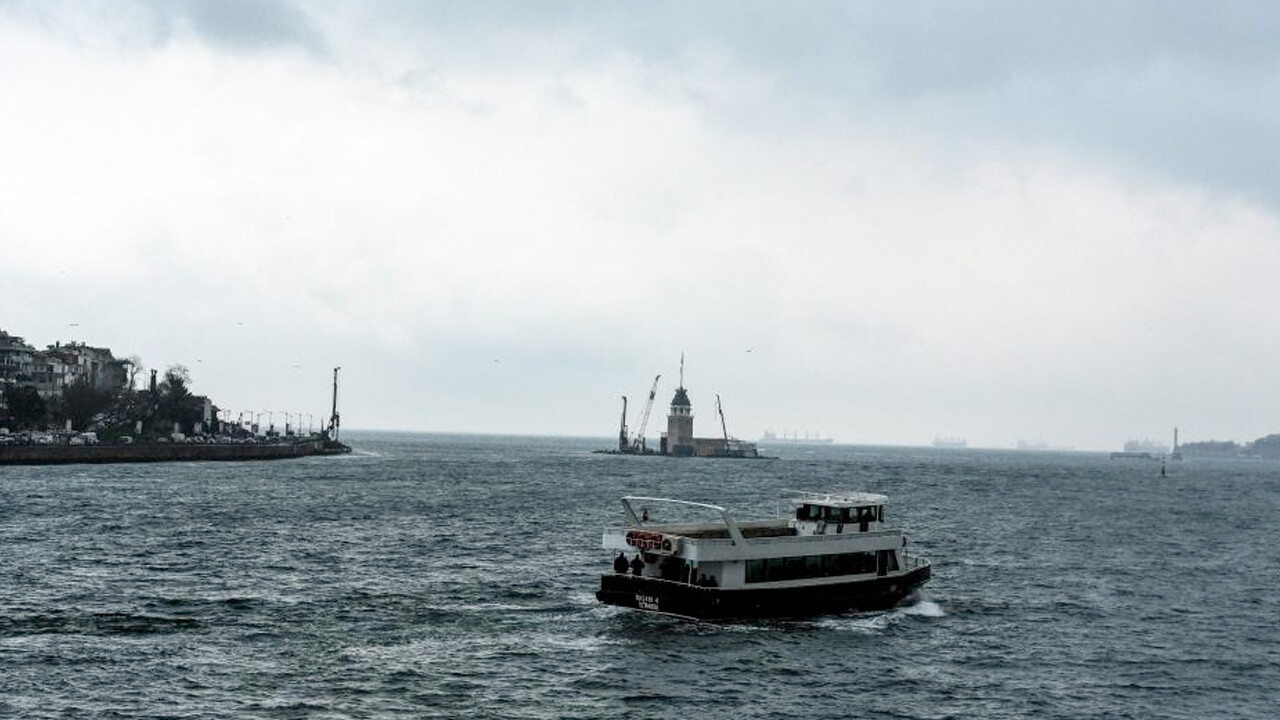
<point x="849" y="499"/>
<point x="681" y="398"/>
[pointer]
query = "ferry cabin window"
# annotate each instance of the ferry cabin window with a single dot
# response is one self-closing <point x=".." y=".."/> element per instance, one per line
<point x="809" y="512"/>
<point x="812" y="566"/>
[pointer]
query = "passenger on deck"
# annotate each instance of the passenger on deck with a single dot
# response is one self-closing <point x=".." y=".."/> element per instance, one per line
<point x="620" y="564"/>
<point x="644" y="515"/>
<point x="637" y="565"/>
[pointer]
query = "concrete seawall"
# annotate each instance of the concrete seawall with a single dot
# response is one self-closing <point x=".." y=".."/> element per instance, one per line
<point x="162" y="452"/>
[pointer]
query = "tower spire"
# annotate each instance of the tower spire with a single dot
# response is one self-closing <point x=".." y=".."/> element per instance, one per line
<point x="682" y="369"/>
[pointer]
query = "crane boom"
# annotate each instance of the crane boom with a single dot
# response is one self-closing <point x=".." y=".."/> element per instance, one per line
<point x="723" y="428"/>
<point x="644" y="418"/>
<point x="622" y="432"/>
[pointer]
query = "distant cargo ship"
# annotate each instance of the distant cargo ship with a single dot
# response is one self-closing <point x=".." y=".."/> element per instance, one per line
<point x="1151" y="447"/>
<point x="1041" y="446"/>
<point x="770" y="438"/>
<point x="950" y="442"/>
<point x="1148" y="450"/>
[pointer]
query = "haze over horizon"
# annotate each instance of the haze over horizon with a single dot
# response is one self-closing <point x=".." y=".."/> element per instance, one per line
<point x="875" y="221"/>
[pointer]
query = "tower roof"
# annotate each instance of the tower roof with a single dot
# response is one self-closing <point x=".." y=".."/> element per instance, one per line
<point x="681" y="399"/>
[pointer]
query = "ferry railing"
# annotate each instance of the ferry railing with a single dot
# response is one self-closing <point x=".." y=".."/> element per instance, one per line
<point x="627" y="581"/>
<point x="802" y="538"/>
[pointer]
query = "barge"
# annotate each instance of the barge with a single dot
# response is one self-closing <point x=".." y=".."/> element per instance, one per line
<point x="833" y="554"/>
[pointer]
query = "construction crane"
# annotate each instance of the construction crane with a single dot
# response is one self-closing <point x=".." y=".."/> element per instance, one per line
<point x="622" y="432"/>
<point x="723" y="428"/>
<point x="638" y="445"/>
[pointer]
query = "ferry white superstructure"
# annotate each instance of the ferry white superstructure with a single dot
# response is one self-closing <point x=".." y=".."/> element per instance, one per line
<point x="833" y="553"/>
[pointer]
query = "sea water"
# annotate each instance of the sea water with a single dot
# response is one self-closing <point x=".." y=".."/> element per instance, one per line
<point x="453" y="577"/>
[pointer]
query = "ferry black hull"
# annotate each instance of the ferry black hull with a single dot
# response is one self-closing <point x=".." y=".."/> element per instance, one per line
<point x="665" y="596"/>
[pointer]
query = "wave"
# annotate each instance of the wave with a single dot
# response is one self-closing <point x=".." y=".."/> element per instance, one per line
<point x="94" y="623"/>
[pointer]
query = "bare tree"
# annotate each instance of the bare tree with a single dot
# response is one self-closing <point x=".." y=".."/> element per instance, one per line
<point x="135" y="368"/>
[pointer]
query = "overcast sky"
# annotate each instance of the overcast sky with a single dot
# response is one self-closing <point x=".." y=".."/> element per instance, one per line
<point x="883" y="222"/>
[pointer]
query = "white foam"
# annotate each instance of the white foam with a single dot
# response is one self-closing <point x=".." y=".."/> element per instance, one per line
<point x="924" y="608"/>
<point x="861" y="624"/>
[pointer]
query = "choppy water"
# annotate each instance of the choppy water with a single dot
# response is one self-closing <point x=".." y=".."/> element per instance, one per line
<point x="446" y="576"/>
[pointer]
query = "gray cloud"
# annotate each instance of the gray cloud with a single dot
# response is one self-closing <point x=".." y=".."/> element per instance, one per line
<point x="242" y="24"/>
<point x="1187" y="89"/>
<point x="229" y="25"/>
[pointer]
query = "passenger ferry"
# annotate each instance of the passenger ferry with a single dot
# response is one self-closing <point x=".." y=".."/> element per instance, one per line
<point x="833" y="553"/>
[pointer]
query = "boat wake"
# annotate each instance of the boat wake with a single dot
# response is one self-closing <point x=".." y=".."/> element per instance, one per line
<point x="870" y="625"/>
<point x="915" y="606"/>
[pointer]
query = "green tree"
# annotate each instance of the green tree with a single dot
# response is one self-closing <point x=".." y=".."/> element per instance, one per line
<point x="81" y="401"/>
<point x="26" y="408"/>
<point x="175" y="402"/>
